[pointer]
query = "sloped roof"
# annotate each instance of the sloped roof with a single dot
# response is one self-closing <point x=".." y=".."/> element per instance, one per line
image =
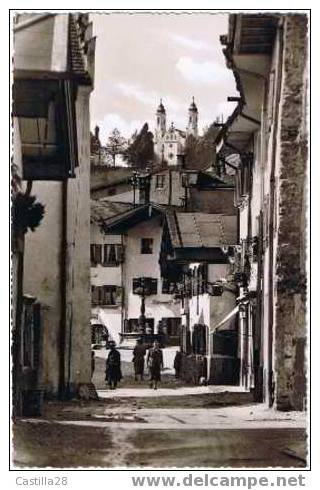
<point x="124" y="197"/>
<point x="104" y="210"/>
<point x="201" y="230"/>
<point x="125" y="220"/>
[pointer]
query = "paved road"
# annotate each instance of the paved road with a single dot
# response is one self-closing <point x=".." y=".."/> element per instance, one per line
<point x="50" y="444"/>
<point x="175" y="426"/>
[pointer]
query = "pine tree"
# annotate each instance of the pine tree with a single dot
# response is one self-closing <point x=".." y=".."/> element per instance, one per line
<point x="140" y="153"/>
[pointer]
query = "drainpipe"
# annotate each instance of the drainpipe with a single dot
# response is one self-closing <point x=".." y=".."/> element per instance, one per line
<point x="170" y="188"/>
<point x="271" y="224"/>
<point x="122" y="284"/>
<point x="63" y="292"/>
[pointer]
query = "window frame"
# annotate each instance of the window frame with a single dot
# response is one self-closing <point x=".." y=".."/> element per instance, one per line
<point x="142" y="247"/>
<point x="160" y="180"/>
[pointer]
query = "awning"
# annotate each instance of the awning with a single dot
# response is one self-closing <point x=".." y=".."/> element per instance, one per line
<point x="226" y="318"/>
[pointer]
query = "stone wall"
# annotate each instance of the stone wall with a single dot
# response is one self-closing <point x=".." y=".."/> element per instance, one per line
<point x="290" y="291"/>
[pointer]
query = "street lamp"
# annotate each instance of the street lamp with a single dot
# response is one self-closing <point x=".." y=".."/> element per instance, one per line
<point x="142" y="182"/>
<point x="141" y="291"/>
<point x="134" y="184"/>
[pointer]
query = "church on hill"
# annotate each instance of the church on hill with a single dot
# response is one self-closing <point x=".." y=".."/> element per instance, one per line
<point x="170" y="143"/>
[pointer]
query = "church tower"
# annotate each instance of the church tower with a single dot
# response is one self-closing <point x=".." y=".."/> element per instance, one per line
<point x="192" y="127"/>
<point x="161" y="120"/>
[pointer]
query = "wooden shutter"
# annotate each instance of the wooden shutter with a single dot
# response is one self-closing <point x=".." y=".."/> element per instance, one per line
<point x="119" y="293"/>
<point x="92" y="255"/>
<point x="95" y="295"/>
<point x="119" y="254"/>
<point x="153" y="286"/>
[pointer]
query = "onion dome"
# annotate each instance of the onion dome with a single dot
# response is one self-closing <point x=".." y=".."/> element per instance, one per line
<point x="161" y="109"/>
<point x="193" y="107"/>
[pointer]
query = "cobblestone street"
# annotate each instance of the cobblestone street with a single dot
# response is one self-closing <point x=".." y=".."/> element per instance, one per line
<point x="175" y="426"/>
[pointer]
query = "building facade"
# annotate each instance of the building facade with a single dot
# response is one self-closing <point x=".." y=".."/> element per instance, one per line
<point x="51" y="92"/>
<point x="267" y="132"/>
<point x="193" y="258"/>
<point x="124" y="248"/>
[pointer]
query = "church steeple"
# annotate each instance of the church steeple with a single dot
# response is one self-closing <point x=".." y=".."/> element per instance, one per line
<point x="192" y="127"/>
<point x="161" y="119"/>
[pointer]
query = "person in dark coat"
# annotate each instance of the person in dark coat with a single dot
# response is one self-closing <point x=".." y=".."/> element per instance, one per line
<point x="113" y="367"/>
<point x="138" y="359"/>
<point x="93" y="363"/>
<point x="155" y="364"/>
<point x="177" y="363"/>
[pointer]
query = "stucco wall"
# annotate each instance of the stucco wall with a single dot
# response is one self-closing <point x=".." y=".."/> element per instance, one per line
<point x="42" y="273"/>
<point x="146" y="265"/>
<point x="46" y="260"/>
<point x="162" y="195"/>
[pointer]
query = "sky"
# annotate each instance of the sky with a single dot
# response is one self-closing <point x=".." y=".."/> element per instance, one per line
<point x="141" y="58"/>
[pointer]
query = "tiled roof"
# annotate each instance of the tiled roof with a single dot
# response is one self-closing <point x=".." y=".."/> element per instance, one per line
<point x="129" y="217"/>
<point x="202" y="230"/>
<point x="103" y="210"/>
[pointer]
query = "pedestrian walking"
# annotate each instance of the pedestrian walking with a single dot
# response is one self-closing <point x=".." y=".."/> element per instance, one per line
<point x="155" y="364"/>
<point x="177" y="363"/>
<point x="93" y="363"/>
<point x="113" y="367"/>
<point x="139" y="352"/>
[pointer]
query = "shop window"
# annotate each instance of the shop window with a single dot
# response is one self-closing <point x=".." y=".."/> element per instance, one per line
<point x="168" y="287"/>
<point x="132" y="325"/>
<point x="171" y="326"/>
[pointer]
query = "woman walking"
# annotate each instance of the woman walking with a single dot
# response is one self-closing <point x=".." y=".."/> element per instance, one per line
<point x="138" y="359"/>
<point x="155" y="364"/>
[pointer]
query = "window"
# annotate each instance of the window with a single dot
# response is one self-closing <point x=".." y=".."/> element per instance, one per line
<point x="243" y="180"/>
<point x="171" y="326"/>
<point x="146" y="245"/>
<point x="132" y="325"/>
<point x="160" y="179"/>
<point x="112" y="254"/>
<point x="30" y="338"/>
<point x="150" y="285"/>
<point x="106" y="295"/>
<point x="168" y="287"/>
<point x="95" y="254"/>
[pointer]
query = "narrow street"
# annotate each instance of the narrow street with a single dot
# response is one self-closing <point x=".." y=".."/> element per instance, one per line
<point x="175" y="426"/>
<point x="159" y="245"/>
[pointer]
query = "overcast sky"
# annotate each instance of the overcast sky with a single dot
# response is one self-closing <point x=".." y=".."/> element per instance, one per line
<point x="142" y="57"/>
